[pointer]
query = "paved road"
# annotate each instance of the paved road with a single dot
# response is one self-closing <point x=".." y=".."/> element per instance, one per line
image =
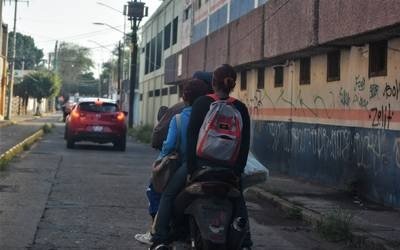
<point x="92" y="197"/>
<point x="18" y="132"/>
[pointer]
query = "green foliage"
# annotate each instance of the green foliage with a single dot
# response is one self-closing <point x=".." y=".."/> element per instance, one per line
<point x="3" y="164"/>
<point x="336" y="226"/>
<point x="142" y="133"/>
<point x="39" y="85"/>
<point x="47" y="128"/>
<point x="73" y="63"/>
<point x="294" y="213"/>
<point x="26" y="147"/>
<point x="26" y="51"/>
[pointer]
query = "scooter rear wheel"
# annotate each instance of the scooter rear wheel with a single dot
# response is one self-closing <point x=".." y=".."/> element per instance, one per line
<point x="200" y="243"/>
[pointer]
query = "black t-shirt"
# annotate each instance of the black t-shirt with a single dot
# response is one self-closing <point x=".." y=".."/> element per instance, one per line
<point x="199" y="110"/>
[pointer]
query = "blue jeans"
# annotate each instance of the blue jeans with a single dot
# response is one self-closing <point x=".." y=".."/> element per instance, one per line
<point x="154" y="200"/>
<point x="164" y="215"/>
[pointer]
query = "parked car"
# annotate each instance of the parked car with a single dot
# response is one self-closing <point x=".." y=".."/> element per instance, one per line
<point x="97" y="120"/>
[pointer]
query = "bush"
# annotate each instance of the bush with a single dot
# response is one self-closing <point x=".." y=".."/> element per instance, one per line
<point x="46" y="128"/>
<point x="336" y="226"/>
<point x="142" y="133"/>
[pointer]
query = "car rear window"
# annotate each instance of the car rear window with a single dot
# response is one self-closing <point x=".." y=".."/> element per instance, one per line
<point x="99" y="108"/>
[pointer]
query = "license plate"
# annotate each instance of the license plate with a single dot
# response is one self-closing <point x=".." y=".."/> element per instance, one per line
<point x="97" y="128"/>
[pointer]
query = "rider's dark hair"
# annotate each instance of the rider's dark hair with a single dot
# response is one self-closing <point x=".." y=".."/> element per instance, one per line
<point x="193" y="89"/>
<point x="224" y="78"/>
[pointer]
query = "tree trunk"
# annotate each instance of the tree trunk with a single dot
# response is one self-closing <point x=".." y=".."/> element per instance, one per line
<point x="39" y="102"/>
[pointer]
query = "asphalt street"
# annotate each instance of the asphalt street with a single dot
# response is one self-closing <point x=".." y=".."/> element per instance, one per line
<point x="93" y="197"/>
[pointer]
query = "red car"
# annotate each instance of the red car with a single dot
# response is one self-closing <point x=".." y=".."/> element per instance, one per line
<point x="96" y="120"/>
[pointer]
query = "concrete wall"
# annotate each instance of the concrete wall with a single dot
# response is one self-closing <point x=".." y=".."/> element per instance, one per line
<point x="289" y="26"/>
<point x="217" y="49"/>
<point x="246" y="38"/>
<point x="336" y="132"/>
<point x="342" y="18"/>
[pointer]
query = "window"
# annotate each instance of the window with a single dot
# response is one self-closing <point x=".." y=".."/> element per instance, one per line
<point x="167" y="36"/>
<point x="186" y="13"/>
<point x="333" y="66"/>
<point x="305" y="70"/>
<point x="278" y="78"/>
<point x="157" y="92"/>
<point x="175" y="31"/>
<point x="151" y="93"/>
<point x="173" y="90"/>
<point x="218" y="18"/>
<point x="199" y="4"/>
<point x="164" y="91"/>
<point x="180" y="90"/>
<point x="378" y="59"/>
<point x="152" y="54"/>
<point x="243" y="80"/>
<point x="261" y="78"/>
<point x="141" y="97"/>
<point x="94" y="107"/>
<point x="147" y="63"/>
<point x="159" y="50"/>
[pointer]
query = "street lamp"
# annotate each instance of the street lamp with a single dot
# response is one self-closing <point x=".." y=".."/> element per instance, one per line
<point x="135" y="12"/>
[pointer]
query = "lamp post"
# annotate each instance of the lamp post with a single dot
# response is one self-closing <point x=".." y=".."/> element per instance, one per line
<point x="136" y="11"/>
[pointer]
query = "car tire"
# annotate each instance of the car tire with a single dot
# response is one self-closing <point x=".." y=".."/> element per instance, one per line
<point x="121" y="144"/>
<point x="70" y="143"/>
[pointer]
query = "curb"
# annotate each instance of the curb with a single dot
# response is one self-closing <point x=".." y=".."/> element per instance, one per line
<point x="6" y="124"/>
<point x="12" y="152"/>
<point x="359" y="239"/>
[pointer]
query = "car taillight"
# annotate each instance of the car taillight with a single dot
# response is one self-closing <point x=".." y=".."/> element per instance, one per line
<point x="75" y="114"/>
<point x="120" y="117"/>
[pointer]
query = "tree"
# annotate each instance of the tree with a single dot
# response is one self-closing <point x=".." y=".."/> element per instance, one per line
<point x="39" y="85"/>
<point x="73" y="61"/>
<point x="26" y="51"/>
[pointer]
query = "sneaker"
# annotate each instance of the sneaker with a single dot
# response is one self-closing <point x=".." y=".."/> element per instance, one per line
<point x="144" y="238"/>
<point x="160" y="247"/>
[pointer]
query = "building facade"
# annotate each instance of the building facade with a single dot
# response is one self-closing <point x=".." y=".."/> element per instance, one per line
<point x="3" y="64"/>
<point x="320" y="78"/>
<point x="176" y="25"/>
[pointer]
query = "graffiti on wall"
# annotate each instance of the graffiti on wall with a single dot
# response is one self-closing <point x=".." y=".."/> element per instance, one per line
<point x="375" y="98"/>
<point x="343" y="144"/>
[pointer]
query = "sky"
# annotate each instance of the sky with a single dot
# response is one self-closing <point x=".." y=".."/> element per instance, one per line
<point x="72" y="21"/>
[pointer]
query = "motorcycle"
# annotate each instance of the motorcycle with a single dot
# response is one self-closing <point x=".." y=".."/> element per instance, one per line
<point x="205" y="212"/>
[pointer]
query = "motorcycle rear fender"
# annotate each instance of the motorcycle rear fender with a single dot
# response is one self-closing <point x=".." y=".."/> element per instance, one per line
<point x="213" y="218"/>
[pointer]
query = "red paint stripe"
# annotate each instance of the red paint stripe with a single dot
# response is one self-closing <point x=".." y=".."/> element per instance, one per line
<point x="336" y="114"/>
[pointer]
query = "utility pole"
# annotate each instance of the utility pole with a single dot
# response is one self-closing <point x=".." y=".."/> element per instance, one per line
<point x="11" y="83"/>
<point x="119" y="73"/>
<point x="55" y="57"/>
<point x="136" y="11"/>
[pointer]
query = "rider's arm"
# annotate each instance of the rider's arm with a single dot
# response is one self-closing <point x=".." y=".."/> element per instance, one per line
<point x="245" y="144"/>
<point x="170" y="143"/>
<point x="199" y="110"/>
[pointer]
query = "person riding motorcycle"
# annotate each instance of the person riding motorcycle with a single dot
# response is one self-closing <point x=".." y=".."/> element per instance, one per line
<point x="223" y="82"/>
<point x="191" y="91"/>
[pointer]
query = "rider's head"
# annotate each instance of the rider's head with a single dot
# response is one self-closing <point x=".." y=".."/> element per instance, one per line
<point x="205" y="77"/>
<point x="224" y="79"/>
<point x="193" y="89"/>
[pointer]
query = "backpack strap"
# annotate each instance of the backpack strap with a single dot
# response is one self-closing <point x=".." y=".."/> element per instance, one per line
<point x="216" y="98"/>
<point x="178" y="132"/>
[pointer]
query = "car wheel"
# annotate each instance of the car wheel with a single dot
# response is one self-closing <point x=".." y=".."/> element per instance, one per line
<point x="120" y="144"/>
<point x="70" y="142"/>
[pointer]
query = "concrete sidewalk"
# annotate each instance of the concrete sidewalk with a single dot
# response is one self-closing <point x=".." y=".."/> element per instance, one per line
<point x="373" y="226"/>
<point x="21" y="128"/>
